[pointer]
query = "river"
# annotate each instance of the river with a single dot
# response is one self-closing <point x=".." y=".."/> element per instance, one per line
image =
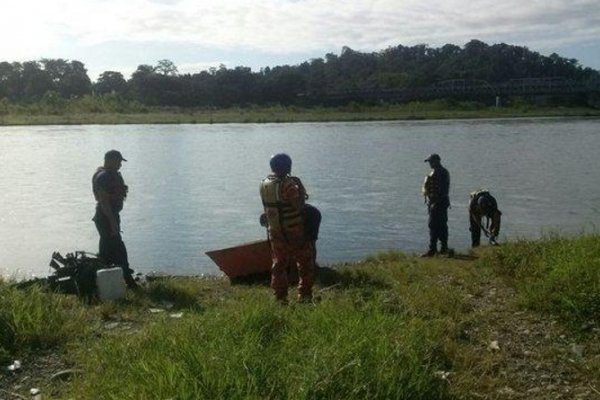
<point x="195" y="187"/>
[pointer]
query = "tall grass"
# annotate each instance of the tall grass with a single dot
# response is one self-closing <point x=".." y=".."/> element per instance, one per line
<point x="369" y="335"/>
<point x="113" y="109"/>
<point x="556" y="275"/>
<point x="384" y="328"/>
<point x="339" y="349"/>
<point x="33" y="319"/>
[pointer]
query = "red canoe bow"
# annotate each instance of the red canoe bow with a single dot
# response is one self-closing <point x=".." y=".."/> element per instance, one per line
<point x="244" y="259"/>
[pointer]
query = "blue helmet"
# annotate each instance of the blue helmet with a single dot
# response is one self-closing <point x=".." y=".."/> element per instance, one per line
<point x="281" y="164"/>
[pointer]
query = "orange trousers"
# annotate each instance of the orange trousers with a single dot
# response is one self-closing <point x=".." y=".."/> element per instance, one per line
<point x="285" y="255"/>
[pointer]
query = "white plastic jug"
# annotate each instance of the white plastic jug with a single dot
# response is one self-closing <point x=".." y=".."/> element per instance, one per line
<point x="110" y="283"/>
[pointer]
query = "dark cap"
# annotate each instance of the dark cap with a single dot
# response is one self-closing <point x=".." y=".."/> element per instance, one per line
<point x="113" y="155"/>
<point x="433" y="157"/>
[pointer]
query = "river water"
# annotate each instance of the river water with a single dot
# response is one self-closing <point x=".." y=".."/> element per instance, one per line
<point x="195" y="187"/>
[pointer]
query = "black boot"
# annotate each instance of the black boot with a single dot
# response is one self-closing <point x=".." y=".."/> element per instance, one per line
<point x="447" y="251"/>
<point x="429" y="253"/>
<point x="129" y="279"/>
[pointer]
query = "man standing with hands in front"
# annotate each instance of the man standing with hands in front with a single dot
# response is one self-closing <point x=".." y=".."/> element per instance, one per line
<point x="436" y="190"/>
<point x="110" y="192"/>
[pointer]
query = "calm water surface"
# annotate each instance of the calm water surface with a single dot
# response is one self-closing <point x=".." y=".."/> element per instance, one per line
<point x="195" y="187"/>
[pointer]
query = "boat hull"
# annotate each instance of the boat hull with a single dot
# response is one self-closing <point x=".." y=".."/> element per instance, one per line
<point x="245" y="259"/>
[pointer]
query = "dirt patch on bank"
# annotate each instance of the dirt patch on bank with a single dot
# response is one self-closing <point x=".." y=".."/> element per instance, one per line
<point x="37" y="373"/>
<point x="519" y="354"/>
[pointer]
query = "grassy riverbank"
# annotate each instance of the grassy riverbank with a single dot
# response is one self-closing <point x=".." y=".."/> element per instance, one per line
<point x="515" y="321"/>
<point x="83" y="113"/>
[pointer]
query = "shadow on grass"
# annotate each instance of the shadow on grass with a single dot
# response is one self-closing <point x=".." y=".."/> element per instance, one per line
<point x="262" y="279"/>
<point x="465" y="257"/>
<point x="324" y="276"/>
<point x="179" y="292"/>
<point x="349" y="277"/>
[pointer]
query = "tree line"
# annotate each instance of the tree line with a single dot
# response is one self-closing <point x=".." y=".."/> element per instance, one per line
<point x="311" y="82"/>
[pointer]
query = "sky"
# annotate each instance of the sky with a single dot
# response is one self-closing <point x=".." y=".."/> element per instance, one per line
<point x="119" y="35"/>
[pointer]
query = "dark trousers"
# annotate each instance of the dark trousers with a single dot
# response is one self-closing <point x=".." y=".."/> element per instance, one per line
<point x="112" y="250"/>
<point x="476" y="226"/>
<point x="438" y="225"/>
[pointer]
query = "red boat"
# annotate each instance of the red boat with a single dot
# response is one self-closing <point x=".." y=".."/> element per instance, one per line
<point x="245" y="259"/>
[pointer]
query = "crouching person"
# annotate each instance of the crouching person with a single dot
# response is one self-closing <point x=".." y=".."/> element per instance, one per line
<point x="483" y="204"/>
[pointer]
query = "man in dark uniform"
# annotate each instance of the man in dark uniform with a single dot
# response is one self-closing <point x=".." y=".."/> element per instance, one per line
<point x="482" y="203"/>
<point x="435" y="190"/>
<point x="110" y="192"/>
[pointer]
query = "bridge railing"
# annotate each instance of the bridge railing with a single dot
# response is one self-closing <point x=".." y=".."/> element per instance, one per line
<point x="474" y="87"/>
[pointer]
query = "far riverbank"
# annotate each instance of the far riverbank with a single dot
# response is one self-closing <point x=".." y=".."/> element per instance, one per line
<point x="279" y="114"/>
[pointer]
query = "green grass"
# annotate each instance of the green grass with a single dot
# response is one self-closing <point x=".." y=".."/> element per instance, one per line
<point x="33" y="319"/>
<point x="360" y="340"/>
<point x="384" y="328"/>
<point x="85" y="111"/>
<point x="264" y="351"/>
<point x="557" y="275"/>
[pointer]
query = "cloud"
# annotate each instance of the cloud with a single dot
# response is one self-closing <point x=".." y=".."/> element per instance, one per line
<point x="193" y="68"/>
<point x="279" y="26"/>
<point x="22" y="31"/>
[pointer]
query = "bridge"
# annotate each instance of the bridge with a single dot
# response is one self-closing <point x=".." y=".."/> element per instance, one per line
<point x="473" y="88"/>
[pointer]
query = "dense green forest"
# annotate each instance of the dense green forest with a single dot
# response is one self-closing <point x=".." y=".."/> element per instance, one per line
<point x="50" y="82"/>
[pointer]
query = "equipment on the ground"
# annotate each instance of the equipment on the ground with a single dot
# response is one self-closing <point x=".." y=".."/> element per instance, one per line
<point x="110" y="283"/>
<point x="77" y="273"/>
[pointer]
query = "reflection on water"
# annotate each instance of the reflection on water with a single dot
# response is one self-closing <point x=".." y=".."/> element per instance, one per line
<point x="195" y="187"/>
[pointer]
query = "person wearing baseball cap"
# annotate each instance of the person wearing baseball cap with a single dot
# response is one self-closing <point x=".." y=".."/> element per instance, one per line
<point x="113" y="155"/>
<point x="110" y="192"/>
<point x="436" y="189"/>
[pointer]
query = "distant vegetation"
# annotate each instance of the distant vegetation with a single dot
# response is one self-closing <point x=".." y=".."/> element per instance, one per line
<point x="110" y="109"/>
<point x="48" y="86"/>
